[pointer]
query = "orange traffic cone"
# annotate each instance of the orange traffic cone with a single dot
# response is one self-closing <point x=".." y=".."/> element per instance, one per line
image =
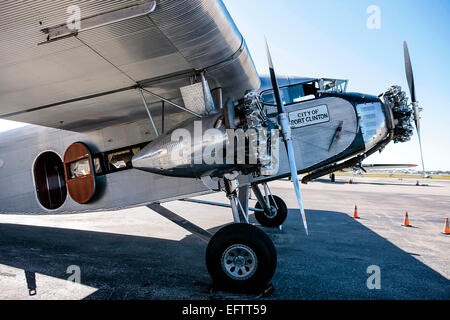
<point x="355" y="213"/>
<point x="446" y="227"/>
<point x="406" y="221"/>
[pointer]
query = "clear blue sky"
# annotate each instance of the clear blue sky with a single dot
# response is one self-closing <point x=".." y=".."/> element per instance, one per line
<point x="329" y="38"/>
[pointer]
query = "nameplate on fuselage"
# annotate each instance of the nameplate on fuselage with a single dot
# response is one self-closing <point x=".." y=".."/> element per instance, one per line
<point x="310" y="116"/>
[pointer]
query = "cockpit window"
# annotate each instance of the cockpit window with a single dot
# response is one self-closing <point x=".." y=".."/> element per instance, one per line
<point x="334" y="85"/>
<point x="293" y="94"/>
<point x="304" y="91"/>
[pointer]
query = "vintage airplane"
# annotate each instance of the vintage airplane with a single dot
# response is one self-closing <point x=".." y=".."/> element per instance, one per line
<point x="105" y="98"/>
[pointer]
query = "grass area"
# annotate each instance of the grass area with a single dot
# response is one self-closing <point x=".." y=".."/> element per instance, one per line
<point x="399" y="175"/>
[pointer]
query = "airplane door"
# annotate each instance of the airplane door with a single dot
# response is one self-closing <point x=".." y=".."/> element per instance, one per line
<point x="79" y="171"/>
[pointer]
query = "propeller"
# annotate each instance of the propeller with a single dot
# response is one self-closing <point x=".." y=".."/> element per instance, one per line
<point x="286" y="133"/>
<point x="412" y="90"/>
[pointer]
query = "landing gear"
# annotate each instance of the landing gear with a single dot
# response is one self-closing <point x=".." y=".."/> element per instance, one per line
<point x="242" y="258"/>
<point x="274" y="208"/>
<point x="332" y="177"/>
<point x="277" y="215"/>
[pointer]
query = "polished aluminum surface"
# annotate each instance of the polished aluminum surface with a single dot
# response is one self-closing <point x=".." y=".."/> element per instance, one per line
<point x="372" y="121"/>
<point x="184" y="156"/>
<point x="100" y="20"/>
<point x="161" y="51"/>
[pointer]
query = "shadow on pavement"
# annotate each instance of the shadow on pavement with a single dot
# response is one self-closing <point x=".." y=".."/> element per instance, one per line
<point x="331" y="263"/>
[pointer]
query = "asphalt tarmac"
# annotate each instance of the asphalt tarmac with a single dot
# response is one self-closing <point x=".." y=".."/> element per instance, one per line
<point x="138" y="254"/>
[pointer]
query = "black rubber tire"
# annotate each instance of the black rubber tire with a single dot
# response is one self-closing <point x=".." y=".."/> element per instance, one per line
<point x="255" y="239"/>
<point x="276" y="220"/>
<point x="333" y="177"/>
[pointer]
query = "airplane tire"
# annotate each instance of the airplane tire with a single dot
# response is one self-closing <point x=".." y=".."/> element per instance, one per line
<point x="277" y="218"/>
<point x="241" y="258"/>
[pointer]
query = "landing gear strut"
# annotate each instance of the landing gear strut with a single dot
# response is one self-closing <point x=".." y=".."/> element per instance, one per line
<point x="239" y="204"/>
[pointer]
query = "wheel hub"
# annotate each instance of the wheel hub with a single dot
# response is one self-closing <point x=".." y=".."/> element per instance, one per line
<point x="272" y="212"/>
<point x="239" y="262"/>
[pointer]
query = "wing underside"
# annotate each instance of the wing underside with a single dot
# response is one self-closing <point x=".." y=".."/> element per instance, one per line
<point x="90" y="80"/>
<point x="387" y="166"/>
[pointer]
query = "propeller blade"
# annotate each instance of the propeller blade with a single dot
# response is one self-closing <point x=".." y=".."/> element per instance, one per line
<point x="276" y="90"/>
<point x="412" y="90"/>
<point x="420" y="146"/>
<point x="417" y="118"/>
<point x="286" y="132"/>
<point x="409" y="73"/>
<point x="294" y="175"/>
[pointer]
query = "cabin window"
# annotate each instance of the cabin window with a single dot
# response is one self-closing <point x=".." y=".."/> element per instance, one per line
<point x="115" y="160"/>
<point x="121" y="159"/>
<point x="50" y="181"/>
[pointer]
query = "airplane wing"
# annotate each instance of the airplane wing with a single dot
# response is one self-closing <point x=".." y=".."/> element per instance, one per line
<point x="368" y="167"/>
<point x="88" y="80"/>
<point x="376" y="166"/>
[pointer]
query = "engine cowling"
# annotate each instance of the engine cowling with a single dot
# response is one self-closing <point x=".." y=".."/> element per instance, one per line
<point x="205" y="147"/>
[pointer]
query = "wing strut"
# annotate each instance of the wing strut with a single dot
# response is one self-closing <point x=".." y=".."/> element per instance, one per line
<point x="149" y="113"/>
<point x="180" y="221"/>
<point x="172" y="103"/>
